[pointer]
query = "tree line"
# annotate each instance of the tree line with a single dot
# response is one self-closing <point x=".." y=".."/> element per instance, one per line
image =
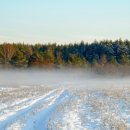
<point x="98" y="54"/>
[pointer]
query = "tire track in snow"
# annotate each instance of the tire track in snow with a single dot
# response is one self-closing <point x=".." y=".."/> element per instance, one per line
<point x="36" y="115"/>
<point x="40" y="120"/>
<point x="18" y="112"/>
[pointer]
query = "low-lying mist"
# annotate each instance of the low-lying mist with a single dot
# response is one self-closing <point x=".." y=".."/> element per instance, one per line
<point x="79" y="78"/>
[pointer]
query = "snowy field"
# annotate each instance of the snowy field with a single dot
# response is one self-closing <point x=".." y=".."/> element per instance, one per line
<point x="63" y="100"/>
<point x="44" y="108"/>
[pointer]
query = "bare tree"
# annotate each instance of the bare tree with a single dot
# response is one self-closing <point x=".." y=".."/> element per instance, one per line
<point x="7" y="51"/>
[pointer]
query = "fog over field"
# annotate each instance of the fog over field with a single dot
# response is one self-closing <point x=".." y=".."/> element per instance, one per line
<point x="80" y="78"/>
<point x="53" y="99"/>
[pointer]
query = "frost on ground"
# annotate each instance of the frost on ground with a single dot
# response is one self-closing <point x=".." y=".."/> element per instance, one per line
<point x="93" y="110"/>
<point x="44" y="108"/>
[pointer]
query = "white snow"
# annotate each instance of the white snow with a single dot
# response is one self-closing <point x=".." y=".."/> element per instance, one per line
<point x="40" y="108"/>
<point x="30" y="113"/>
<point x="93" y="110"/>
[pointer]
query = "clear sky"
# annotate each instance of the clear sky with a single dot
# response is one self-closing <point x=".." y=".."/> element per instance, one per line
<point x="63" y="21"/>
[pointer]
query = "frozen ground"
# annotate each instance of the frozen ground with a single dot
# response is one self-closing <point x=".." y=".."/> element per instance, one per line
<point x="44" y="108"/>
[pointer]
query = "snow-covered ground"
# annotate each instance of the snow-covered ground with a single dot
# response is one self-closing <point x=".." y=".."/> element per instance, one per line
<point x="93" y="110"/>
<point x="28" y="108"/>
<point x="44" y="108"/>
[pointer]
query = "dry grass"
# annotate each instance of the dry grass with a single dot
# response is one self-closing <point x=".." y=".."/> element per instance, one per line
<point x="99" y="106"/>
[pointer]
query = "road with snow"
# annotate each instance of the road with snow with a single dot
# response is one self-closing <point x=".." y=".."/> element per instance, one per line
<point x="32" y="113"/>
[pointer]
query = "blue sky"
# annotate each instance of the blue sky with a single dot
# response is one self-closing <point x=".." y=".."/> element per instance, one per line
<point x="63" y="21"/>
